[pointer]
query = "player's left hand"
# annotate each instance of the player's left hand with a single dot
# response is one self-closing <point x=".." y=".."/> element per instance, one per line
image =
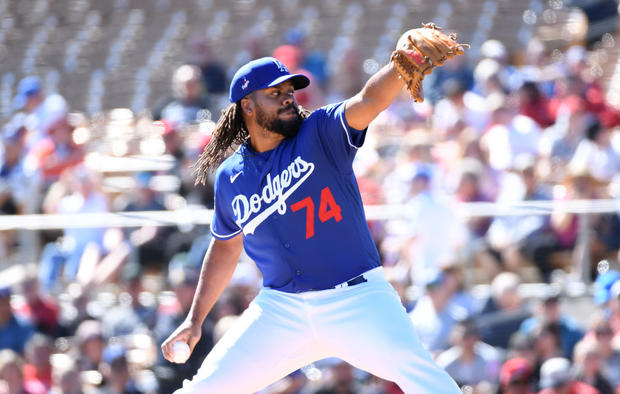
<point x="420" y="50"/>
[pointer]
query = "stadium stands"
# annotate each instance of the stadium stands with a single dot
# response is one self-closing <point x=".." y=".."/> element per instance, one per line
<point x="124" y="51"/>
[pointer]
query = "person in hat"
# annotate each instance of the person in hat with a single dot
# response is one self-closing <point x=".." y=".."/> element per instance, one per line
<point x="504" y="310"/>
<point x="38" y="109"/>
<point x="188" y="101"/>
<point x="29" y="94"/>
<point x="55" y="150"/>
<point x="116" y="372"/>
<point x="434" y="232"/>
<point x="516" y="377"/>
<point x="603" y="284"/>
<point x="29" y="102"/>
<point x="38" y="364"/>
<point x="436" y="312"/>
<point x="556" y="377"/>
<point x="19" y="180"/>
<point x="470" y="361"/>
<point x="587" y="359"/>
<point x="90" y="343"/>
<point x="288" y="196"/>
<point x="579" y="184"/>
<point x="559" y="142"/>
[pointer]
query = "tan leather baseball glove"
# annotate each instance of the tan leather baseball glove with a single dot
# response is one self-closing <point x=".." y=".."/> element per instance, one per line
<point x="420" y="50"/>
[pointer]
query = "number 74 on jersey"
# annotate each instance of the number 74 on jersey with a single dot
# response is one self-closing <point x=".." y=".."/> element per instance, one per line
<point x="328" y="209"/>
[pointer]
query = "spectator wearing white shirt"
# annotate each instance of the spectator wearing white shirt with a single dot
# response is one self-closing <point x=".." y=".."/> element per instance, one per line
<point x="436" y="233"/>
<point x="559" y="142"/>
<point x="596" y="152"/>
<point x="523" y="239"/>
<point x="82" y="196"/>
<point x="459" y="109"/>
<point x="509" y="135"/>
<point x="18" y="180"/>
<point x="436" y="312"/>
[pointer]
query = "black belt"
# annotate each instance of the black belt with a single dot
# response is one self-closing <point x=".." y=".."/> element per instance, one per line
<point x="355" y="281"/>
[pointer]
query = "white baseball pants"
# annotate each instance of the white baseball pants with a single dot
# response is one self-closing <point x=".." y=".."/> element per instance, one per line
<point x="364" y="325"/>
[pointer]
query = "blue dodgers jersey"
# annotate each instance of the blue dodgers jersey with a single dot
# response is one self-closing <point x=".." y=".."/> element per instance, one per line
<point x="298" y="206"/>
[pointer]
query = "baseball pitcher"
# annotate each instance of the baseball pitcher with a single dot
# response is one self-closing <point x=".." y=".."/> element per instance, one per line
<point x="288" y="195"/>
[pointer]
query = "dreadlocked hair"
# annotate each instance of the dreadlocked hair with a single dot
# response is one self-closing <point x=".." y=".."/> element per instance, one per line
<point x="230" y="130"/>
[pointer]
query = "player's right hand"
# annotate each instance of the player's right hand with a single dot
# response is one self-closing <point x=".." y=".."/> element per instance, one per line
<point x="187" y="332"/>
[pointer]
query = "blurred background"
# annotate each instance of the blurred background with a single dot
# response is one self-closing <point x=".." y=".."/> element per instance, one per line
<point x="494" y="203"/>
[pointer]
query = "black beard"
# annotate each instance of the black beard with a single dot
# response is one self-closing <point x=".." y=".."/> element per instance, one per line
<point x="287" y="128"/>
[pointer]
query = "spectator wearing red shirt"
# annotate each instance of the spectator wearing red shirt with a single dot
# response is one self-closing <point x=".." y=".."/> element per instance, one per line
<point x="57" y="151"/>
<point x="534" y="104"/>
<point x="469" y="189"/>
<point x="41" y="311"/>
<point x="38" y="367"/>
<point x="11" y="373"/>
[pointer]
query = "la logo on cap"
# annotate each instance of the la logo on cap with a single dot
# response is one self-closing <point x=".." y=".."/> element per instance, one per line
<point x="245" y="84"/>
<point x="280" y="65"/>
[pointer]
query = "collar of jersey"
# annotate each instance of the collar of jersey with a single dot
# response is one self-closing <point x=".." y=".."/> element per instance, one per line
<point x="247" y="149"/>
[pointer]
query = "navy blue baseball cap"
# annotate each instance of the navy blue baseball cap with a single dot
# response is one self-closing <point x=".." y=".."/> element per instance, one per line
<point x="422" y="171"/>
<point x="27" y="87"/>
<point x="260" y="74"/>
<point x="603" y="284"/>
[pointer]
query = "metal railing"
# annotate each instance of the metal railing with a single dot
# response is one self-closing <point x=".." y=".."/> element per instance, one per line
<point x="190" y="216"/>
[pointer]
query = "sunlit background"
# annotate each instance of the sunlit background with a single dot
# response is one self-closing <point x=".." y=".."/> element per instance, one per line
<point x="491" y="200"/>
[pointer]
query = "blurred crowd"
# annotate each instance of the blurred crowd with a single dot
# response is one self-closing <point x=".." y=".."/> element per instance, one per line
<point x="89" y="312"/>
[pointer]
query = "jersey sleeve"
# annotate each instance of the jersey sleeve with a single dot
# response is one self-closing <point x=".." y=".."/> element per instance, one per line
<point x="223" y="225"/>
<point x="338" y="139"/>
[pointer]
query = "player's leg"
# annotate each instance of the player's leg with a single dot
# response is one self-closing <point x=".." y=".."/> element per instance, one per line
<point x="372" y="331"/>
<point x="271" y="339"/>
